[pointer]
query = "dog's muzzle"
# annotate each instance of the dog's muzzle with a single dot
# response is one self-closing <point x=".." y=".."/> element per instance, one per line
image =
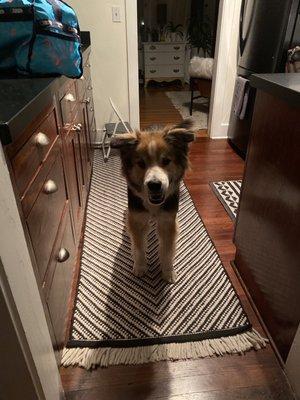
<point x="156" y="184"/>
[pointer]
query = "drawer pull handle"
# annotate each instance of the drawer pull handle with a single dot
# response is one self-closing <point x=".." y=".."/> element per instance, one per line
<point x="41" y="139"/>
<point x="152" y="71"/>
<point x="50" y="187"/>
<point x="176" y="70"/>
<point x="90" y="88"/>
<point x="176" y="57"/>
<point x="87" y="65"/>
<point x="152" y="47"/>
<point x="86" y="101"/>
<point x="176" y="47"/>
<point x="78" y="128"/>
<point x="70" y="97"/>
<point x="63" y="255"/>
<point x="152" y="58"/>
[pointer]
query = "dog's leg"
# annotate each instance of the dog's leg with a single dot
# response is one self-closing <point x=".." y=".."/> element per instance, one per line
<point x="167" y="231"/>
<point x="138" y="228"/>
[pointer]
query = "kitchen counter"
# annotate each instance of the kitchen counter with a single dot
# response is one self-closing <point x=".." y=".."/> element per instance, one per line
<point x="23" y="98"/>
<point x="283" y="86"/>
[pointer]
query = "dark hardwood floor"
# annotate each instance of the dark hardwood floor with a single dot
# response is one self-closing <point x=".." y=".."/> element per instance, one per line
<point x="253" y="376"/>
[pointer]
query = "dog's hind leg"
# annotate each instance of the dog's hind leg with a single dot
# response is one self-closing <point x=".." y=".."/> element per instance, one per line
<point x="138" y="223"/>
<point x="167" y="231"/>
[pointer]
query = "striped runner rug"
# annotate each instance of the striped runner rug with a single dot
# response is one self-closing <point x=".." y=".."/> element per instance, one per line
<point x="121" y="319"/>
<point x="228" y="192"/>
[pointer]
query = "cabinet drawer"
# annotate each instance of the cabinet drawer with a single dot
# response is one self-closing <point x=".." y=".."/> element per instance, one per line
<point x="59" y="280"/>
<point x="162" y="47"/>
<point x="164" y="71"/>
<point x="34" y="151"/>
<point x="44" y="217"/>
<point x="68" y="104"/>
<point x="157" y="58"/>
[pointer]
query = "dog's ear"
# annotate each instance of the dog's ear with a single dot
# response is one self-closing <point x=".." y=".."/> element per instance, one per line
<point x="122" y="140"/>
<point x="183" y="132"/>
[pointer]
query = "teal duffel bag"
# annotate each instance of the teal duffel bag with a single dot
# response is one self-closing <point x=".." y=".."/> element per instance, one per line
<point x="40" y="38"/>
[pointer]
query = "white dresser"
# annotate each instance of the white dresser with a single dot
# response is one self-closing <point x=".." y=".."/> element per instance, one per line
<point x="164" y="61"/>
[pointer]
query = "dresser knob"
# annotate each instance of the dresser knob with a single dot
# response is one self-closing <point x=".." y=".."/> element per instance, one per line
<point x="63" y="255"/>
<point x="176" y="57"/>
<point x="152" y="58"/>
<point x="90" y="88"/>
<point x="176" y="47"/>
<point x="152" y="71"/>
<point x="87" y="65"/>
<point x="41" y="139"/>
<point x="50" y="187"/>
<point x="70" y="97"/>
<point x="175" y="70"/>
<point x="91" y="108"/>
<point x="152" y="47"/>
<point x="86" y="101"/>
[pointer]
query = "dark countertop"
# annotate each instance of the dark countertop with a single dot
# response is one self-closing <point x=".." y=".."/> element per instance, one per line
<point x="284" y="86"/>
<point x="23" y="98"/>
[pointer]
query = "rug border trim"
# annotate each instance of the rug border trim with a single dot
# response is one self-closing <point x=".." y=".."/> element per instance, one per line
<point x="193" y="337"/>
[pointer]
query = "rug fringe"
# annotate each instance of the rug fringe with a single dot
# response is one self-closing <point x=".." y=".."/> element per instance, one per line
<point x="89" y="358"/>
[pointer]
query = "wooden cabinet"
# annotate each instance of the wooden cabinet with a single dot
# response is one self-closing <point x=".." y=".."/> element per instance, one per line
<point x="268" y="222"/>
<point x="51" y="165"/>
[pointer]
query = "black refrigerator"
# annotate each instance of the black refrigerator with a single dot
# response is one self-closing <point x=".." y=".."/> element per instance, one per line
<point x="268" y="28"/>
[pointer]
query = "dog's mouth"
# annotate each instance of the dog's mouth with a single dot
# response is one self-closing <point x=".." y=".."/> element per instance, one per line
<point x="156" y="198"/>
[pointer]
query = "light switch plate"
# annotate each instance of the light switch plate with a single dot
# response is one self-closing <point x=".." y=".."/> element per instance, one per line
<point x="116" y="14"/>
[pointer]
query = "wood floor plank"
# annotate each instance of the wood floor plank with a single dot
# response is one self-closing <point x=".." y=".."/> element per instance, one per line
<point x="253" y="376"/>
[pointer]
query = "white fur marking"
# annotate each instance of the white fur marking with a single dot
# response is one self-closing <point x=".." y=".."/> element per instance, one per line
<point x="152" y="148"/>
<point x="157" y="174"/>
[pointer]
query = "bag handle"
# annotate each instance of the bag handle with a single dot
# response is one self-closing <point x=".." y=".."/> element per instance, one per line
<point x="56" y="9"/>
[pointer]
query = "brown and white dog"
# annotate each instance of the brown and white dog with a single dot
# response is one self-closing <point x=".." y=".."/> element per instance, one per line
<point x="153" y="163"/>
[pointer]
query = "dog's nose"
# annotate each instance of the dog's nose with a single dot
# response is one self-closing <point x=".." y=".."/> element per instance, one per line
<point x="154" y="186"/>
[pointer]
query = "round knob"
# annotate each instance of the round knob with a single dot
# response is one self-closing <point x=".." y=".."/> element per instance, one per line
<point x="176" y="58"/>
<point x="86" y="101"/>
<point x="50" y="187"/>
<point x="92" y="109"/>
<point x="63" y="255"/>
<point x="41" y="139"/>
<point x="70" y="97"/>
<point x="90" y="88"/>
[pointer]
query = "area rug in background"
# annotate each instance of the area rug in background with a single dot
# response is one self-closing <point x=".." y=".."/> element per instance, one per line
<point x="228" y="192"/>
<point x="181" y="101"/>
<point x="121" y="319"/>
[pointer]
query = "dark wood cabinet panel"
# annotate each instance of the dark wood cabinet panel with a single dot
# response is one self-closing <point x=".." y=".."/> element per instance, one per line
<point x="58" y="292"/>
<point x="268" y="223"/>
<point x="51" y="164"/>
<point x="44" y="218"/>
<point x="34" y="151"/>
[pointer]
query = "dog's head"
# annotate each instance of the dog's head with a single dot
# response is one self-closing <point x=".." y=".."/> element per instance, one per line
<point x="154" y="161"/>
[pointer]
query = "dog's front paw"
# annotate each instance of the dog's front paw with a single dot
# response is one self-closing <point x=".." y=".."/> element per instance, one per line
<point x="169" y="275"/>
<point x="139" y="270"/>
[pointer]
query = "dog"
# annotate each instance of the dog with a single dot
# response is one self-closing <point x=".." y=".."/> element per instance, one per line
<point x="154" y="163"/>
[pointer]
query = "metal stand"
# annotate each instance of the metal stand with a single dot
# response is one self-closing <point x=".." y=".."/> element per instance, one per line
<point x="111" y="129"/>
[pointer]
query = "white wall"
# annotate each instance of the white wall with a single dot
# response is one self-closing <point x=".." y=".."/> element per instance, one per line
<point x="108" y="57"/>
<point x="293" y="364"/>
<point x="225" y="67"/>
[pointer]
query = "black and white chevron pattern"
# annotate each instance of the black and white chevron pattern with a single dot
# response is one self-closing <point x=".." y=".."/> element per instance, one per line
<point x="114" y="308"/>
<point x="228" y="192"/>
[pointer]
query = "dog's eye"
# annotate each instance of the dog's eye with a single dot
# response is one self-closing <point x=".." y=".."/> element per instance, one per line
<point x="141" y="164"/>
<point x="165" y="161"/>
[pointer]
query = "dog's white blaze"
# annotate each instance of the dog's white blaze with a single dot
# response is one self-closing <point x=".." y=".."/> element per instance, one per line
<point x="157" y="174"/>
<point x="152" y="148"/>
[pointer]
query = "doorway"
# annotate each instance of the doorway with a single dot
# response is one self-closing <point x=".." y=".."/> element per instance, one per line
<point x="176" y="45"/>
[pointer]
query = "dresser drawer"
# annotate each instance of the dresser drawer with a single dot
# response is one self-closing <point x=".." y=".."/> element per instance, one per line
<point x="164" y="71"/>
<point x="58" y="284"/>
<point x="164" y="47"/>
<point x="157" y="58"/>
<point x="31" y="155"/>
<point x="44" y="217"/>
<point x="68" y="104"/>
